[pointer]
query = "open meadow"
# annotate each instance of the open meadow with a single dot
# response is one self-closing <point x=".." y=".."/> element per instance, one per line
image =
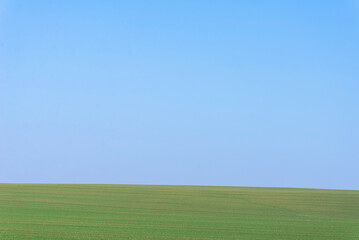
<point x="61" y="211"/>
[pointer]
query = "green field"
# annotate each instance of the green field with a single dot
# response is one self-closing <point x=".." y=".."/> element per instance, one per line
<point x="40" y="211"/>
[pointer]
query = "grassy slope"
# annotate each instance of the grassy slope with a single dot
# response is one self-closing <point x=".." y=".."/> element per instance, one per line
<point x="175" y="212"/>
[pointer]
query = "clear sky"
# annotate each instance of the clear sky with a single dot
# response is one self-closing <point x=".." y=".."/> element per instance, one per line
<point x="244" y="93"/>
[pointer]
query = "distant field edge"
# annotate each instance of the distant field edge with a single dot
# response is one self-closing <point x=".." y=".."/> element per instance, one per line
<point x="179" y="185"/>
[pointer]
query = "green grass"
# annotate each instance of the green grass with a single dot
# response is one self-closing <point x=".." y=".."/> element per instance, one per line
<point x="40" y="211"/>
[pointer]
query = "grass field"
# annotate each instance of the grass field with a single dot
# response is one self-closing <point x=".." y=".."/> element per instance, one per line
<point x="35" y="211"/>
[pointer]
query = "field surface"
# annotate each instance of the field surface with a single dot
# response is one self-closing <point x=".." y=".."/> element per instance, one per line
<point x="36" y="211"/>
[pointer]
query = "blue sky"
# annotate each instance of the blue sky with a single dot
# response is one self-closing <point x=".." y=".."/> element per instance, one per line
<point x="243" y="93"/>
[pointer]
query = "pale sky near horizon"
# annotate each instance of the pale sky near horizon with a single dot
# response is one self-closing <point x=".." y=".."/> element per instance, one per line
<point x="239" y="93"/>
